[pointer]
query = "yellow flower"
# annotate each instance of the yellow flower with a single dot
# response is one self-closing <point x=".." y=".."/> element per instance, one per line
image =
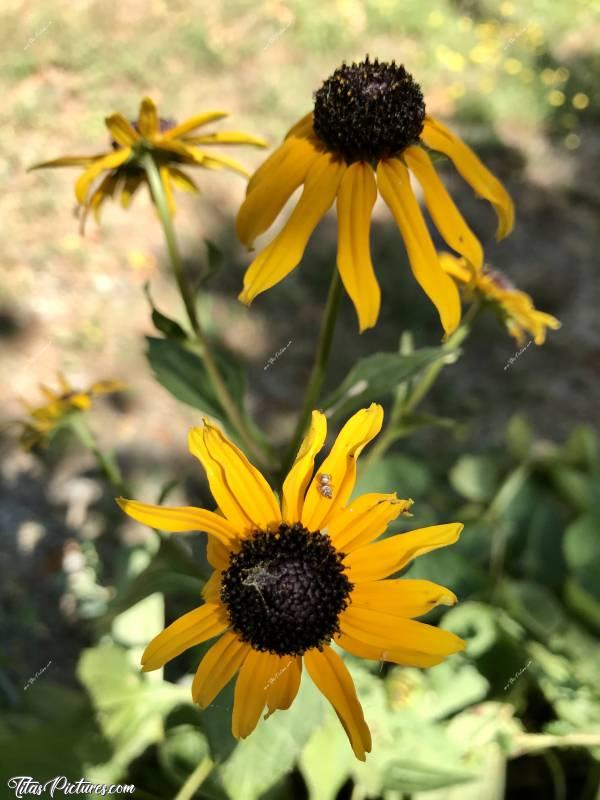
<point x="172" y="146"/>
<point x="292" y="577"/>
<point x="516" y="308"/>
<point x="368" y="130"/>
<point x="43" y="420"/>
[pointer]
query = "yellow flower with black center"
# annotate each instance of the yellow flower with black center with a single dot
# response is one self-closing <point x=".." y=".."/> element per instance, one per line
<point x="172" y="145"/>
<point x="292" y="577"/>
<point x="367" y="131"/>
<point x="516" y="308"/>
<point x="43" y="420"/>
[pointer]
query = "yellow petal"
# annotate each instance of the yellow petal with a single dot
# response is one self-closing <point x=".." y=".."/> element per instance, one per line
<point x="239" y="488"/>
<point x="179" y="152"/>
<point x="394" y="185"/>
<point x="180" y="519"/>
<point x="299" y="476"/>
<point x="457" y="267"/>
<point x="355" y="201"/>
<point x="364" y="520"/>
<point x="168" y="189"/>
<point x="277" y="184"/>
<point x="283" y="685"/>
<point x="332" y="678"/>
<point x="376" y="561"/>
<point x="130" y="187"/>
<point x="227" y="137"/>
<point x="286" y="250"/>
<point x="192" y="123"/>
<point x="446" y="216"/>
<point x="193" y="628"/>
<point x="218" y="667"/>
<point x="303" y="127"/>
<point x="404" y="597"/>
<point x="408" y="658"/>
<point x="148" y="118"/>
<point x="68" y="161"/>
<point x="439" y="137"/>
<point x="218" y="554"/>
<point x="182" y="181"/>
<point x="105" y="190"/>
<point x="107" y="387"/>
<point x="211" y="591"/>
<point x="121" y="130"/>
<point x="224" y="162"/>
<point x="341" y="465"/>
<point x="389" y="631"/>
<point x="251" y="691"/>
<point x="111" y="161"/>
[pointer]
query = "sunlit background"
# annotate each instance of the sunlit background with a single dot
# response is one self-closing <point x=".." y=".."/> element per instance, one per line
<point x="515" y="458"/>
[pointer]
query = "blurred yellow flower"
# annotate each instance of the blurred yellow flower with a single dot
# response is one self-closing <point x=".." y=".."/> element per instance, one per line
<point x="295" y="574"/>
<point x="516" y="308"/>
<point x="43" y="420"/>
<point x="368" y="130"/>
<point x="172" y="146"/>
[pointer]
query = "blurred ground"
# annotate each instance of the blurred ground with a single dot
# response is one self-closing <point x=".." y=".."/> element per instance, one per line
<point x="515" y="79"/>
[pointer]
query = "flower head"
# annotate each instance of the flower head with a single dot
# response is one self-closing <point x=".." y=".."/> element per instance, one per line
<point x="369" y="128"/>
<point x="172" y="145"/>
<point x="516" y="308"/>
<point x="293" y="576"/>
<point x="60" y="405"/>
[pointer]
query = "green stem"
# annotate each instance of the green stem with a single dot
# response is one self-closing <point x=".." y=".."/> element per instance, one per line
<point x="406" y="406"/>
<point x="319" y="369"/>
<point x="195" y="779"/>
<point x="106" y="461"/>
<point x="222" y="392"/>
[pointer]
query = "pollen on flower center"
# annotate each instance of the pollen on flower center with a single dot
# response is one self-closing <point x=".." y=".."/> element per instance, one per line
<point x="285" y="589"/>
<point x="369" y="111"/>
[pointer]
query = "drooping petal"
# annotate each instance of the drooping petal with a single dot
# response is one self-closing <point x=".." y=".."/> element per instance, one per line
<point x="218" y="554"/>
<point x="358" y="431"/>
<point x="404" y="597"/>
<point x="303" y="127"/>
<point x="277" y="184"/>
<point x="148" y="118"/>
<point x="193" y="628"/>
<point x="388" y="631"/>
<point x="180" y="519"/>
<point x="378" y="560"/>
<point x="211" y="591"/>
<point x="165" y="178"/>
<point x="446" y="216"/>
<point x="218" y="667"/>
<point x="364" y="520"/>
<point x="121" y="130"/>
<point x="111" y="161"/>
<point x="69" y="161"/>
<point x="408" y="658"/>
<point x="283" y="686"/>
<point x="355" y="201"/>
<point x="227" y="137"/>
<point x="394" y="185"/>
<point x="331" y="677"/>
<point x="241" y="486"/>
<point x="457" y="267"/>
<point x="104" y="191"/>
<point x="189" y="125"/>
<point x="182" y="181"/>
<point x="186" y="154"/>
<point x="286" y="250"/>
<point x="251" y="691"/>
<point x="439" y="137"/>
<point x="130" y="187"/>
<point x="224" y="162"/>
<point x="298" y="478"/>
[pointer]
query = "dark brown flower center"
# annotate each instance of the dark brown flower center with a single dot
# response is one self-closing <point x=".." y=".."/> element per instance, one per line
<point x="369" y="111"/>
<point x="285" y="589"/>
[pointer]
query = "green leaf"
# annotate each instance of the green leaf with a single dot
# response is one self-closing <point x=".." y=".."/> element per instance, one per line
<point x="162" y="323"/>
<point x="534" y="607"/>
<point x="395" y="473"/>
<point x="131" y="707"/>
<point x="184" y="375"/>
<point x="476" y="623"/>
<point x="214" y="256"/>
<point x="519" y="437"/>
<point x="325" y="762"/>
<point x="475" y="477"/>
<point x="181" y="751"/>
<point x="259" y="761"/>
<point x="376" y="376"/>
